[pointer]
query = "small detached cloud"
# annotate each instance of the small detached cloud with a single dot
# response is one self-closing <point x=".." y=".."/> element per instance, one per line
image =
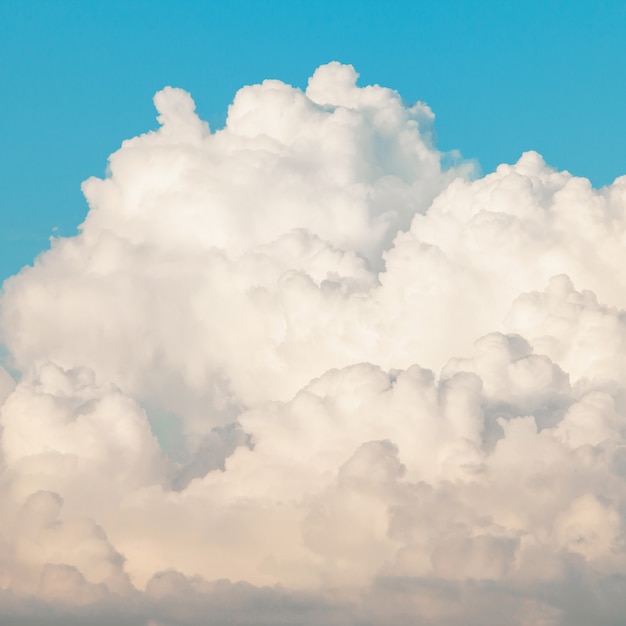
<point x="297" y="371"/>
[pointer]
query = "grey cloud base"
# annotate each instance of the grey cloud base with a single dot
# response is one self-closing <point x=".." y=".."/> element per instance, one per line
<point x="577" y="601"/>
<point x="294" y="371"/>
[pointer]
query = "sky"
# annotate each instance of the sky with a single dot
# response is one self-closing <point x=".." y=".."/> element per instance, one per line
<point x="501" y="78"/>
<point x="312" y="314"/>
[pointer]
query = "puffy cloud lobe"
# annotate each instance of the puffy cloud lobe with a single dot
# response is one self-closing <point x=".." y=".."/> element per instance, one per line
<point x="294" y="371"/>
<point x="262" y="232"/>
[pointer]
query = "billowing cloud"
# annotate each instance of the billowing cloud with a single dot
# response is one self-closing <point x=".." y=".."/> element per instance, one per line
<point x="297" y="371"/>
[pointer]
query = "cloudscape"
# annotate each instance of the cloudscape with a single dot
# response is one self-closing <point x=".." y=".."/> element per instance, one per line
<point x="309" y="370"/>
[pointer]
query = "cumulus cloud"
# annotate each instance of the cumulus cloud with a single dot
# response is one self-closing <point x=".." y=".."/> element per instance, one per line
<point x="297" y="371"/>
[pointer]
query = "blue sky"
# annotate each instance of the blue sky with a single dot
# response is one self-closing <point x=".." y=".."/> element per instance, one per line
<point x="502" y="77"/>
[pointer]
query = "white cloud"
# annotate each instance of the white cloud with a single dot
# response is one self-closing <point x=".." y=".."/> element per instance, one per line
<point x="294" y="371"/>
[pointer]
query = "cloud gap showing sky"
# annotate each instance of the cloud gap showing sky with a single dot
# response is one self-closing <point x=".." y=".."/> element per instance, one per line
<point x="302" y="370"/>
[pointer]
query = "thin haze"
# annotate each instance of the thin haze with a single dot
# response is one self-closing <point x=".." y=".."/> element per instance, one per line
<point x="302" y="371"/>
